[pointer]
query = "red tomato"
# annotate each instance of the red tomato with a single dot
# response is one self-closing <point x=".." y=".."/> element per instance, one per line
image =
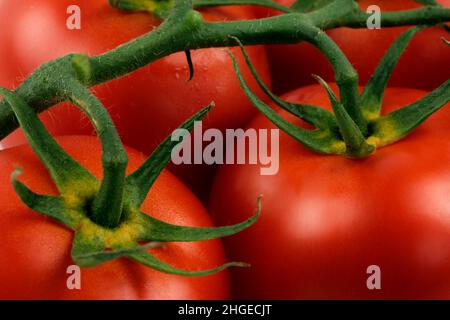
<point x="422" y="65"/>
<point x="35" y="251"/>
<point x="146" y="105"/>
<point x="326" y="219"/>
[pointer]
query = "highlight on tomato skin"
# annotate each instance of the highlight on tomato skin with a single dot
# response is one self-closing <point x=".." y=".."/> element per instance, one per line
<point x="422" y="66"/>
<point x="327" y="218"/>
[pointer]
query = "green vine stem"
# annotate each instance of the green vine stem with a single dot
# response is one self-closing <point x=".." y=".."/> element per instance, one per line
<point x="107" y="205"/>
<point x="185" y="29"/>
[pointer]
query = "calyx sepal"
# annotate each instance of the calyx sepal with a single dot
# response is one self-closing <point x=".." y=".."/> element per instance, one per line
<point x="337" y="133"/>
<point x="96" y="243"/>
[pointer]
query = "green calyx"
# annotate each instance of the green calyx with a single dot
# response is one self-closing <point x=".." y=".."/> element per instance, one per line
<point x="339" y="132"/>
<point x="105" y="215"/>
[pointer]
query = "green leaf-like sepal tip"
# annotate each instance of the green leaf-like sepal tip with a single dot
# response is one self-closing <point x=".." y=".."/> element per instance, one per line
<point x="373" y="93"/>
<point x="322" y="141"/>
<point x="65" y="172"/>
<point x="50" y="206"/>
<point x="399" y="123"/>
<point x="140" y="181"/>
<point x="318" y="117"/>
<point x="94" y="243"/>
<point x="159" y="231"/>
<point x="151" y="261"/>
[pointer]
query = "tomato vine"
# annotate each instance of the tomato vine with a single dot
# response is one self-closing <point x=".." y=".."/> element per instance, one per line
<point x="110" y="209"/>
<point x="184" y="29"/>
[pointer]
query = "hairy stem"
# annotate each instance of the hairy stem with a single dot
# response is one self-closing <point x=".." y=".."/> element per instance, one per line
<point x="107" y="205"/>
<point x="185" y="29"/>
<point x="425" y="15"/>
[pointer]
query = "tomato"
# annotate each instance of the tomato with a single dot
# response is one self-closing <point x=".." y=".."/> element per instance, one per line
<point x="35" y="251"/>
<point x="422" y="65"/>
<point x="326" y="219"/>
<point x="146" y="105"/>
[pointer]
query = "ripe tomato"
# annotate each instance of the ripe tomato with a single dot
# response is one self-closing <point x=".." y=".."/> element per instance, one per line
<point x="326" y="219"/>
<point x="422" y="65"/>
<point x="35" y="251"/>
<point x="146" y="105"/>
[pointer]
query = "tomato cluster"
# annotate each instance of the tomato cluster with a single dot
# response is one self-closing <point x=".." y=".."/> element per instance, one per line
<point x="325" y="219"/>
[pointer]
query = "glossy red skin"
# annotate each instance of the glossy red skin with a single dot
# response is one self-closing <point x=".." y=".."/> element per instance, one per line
<point x="35" y="251"/>
<point x="325" y="219"/>
<point x="424" y="64"/>
<point x="146" y="105"/>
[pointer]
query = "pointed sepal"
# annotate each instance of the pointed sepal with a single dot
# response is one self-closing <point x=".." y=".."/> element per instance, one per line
<point x="322" y="141"/>
<point x="318" y="117"/>
<point x="151" y="261"/>
<point x="373" y="93"/>
<point x="67" y="174"/>
<point x="157" y="230"/>
<point x="399" y="123"/>
<point x="51" y="206"/>
<point x="139" y="182"/>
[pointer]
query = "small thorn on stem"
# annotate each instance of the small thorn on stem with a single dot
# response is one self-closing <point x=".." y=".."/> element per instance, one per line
<point x="191" y="65"/>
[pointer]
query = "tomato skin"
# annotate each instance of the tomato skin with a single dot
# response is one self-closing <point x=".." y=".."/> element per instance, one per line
<point x="146" y="105"/>
<point x="326" y="219"/>
<point x="35" y="251"/>
<point x="422" y="65"/>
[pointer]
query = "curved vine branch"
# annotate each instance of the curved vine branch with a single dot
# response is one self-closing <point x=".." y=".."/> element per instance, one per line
<point x="185" y="29"/>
